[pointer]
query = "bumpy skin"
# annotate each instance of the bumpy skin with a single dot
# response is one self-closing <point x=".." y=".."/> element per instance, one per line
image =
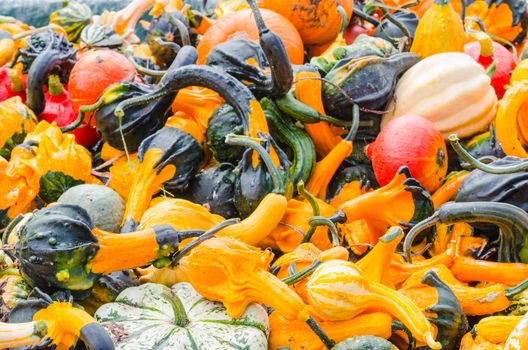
<point x="214" y="188"/>
<point x="369" y="81"/>
<point x="223" y="122"/>
<point x="364" y="342"/>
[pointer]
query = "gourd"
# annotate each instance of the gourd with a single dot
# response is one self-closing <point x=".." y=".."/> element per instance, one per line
<point x="13" y="288"/>
<point x="400" y="202"/>
<point x="296" y="335"/>
<point x="317" y="22"/>
<point x="512" y="221"/>
<point x="59" y="248"/>
<point x="43" y="323"/>
<point x="389" y="31"/>
<point x="353" y="294"/>
<point x="518" y="337"/>
<point x="93" y="73"/>
<point x="369" y="81"/>
<point x="73" y="17"/>
<point x="169" y="157"/>
<point x="17" y="120"/>
<point x="154" y="316"/>
<point x="414" y="142"/>
<point x="104" y="206"/>
<point x="224" y="121"/>
<point x="364" y="342"/>
<point x="439" y="30"/>
<point x="458" y="88"/>
<point x="214" y="188"/>
<point x="511" y="120"/>
<point x="483" y="186"/>
<point x="56" y="56"/>
<point x="242" y="24"/>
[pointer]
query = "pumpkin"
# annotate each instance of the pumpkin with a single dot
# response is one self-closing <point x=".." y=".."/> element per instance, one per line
<point x="439" y="30"/>
<point x="94" y="72"/>
<point x="413" y="142"/>
<point x="154" y="316"/>
<point x="241" y="24"/>
<point x="449" y="89"/>
<point x="318" y="22"/>
<point x="104" y="206"/>
<point x="17" y="120"/>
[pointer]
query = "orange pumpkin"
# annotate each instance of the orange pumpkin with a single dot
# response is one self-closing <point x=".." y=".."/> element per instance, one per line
<point x="242" y="24"/>
<point x="318" y="22"/>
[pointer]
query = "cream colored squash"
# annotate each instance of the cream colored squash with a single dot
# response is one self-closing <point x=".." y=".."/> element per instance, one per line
<point x="451" y="90"/>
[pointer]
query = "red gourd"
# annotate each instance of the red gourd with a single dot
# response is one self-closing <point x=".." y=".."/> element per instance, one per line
<point x="11" y="84"/>
<point x="59" y="109"/>
<point x="414" y="142"/>
<point x="93" y="73"/>
<point x="485" y="52"/>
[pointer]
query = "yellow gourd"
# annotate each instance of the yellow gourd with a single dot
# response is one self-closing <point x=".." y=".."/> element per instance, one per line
<point x="439" y="30"/>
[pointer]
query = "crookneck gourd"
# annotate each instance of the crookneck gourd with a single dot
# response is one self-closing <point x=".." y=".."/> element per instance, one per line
<point x="353" y="294"/>
<point x="474" y="301"/>
<point x="512" y="221"/>
<point x="45" y="324"/>
<point x="155" y="316"/>
<point x="59" y="248"/>
<point x="368" y="81"/>
<point x="46" y="53"/>
<point x="169" y="157"/>
<point x="403" y="201"/>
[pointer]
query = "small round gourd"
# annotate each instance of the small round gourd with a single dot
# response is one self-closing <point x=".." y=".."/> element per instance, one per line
<point x="104" y="205"/>
<point x="364" y="342"/>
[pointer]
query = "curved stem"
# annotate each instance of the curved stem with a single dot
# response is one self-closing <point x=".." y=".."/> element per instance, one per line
<point x="258" y="16"/>
<point x="463" y="153"/>
<point x="82" y="111"/>
<point x="245" y="141"/>
<point x="355" y="124"/>
<point x="138" y="100"/>
<point x="400" y="26"/>
<point x="332" y="229"/>
<point x="33" y="31"/>
<point x="299" y="276"/>
<point x="513" y="291"/>
<point x="398" y="326"/>
<point x="309" y="197"/>
<point x="151" y="72"/>
<point x="184" y="32"/>
<point x="365" y="17"/>
<point x="415" y="231"/>
<point x="207" y="235"/>
<point x="329" y="343"/>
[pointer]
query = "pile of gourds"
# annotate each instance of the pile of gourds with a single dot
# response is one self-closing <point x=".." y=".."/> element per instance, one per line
<point x="265" y="174"/>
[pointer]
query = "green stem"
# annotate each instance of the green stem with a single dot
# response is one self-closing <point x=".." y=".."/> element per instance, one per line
<point x="151" y="72"/>
<point x="184" y="32"/>
<point x="82" y="111"/>
<point x="32" y="32"/>
<point x="463" y="153"/>
<point x="355" y="124"/>
<point x="491" y="69"/>
<point x="207" y="235"/>
<point x="415" y="231"/>
<point x="332" y="229"/>
<point x="513" y="291"/>
<point x="400" y="26"/>
<point x="16" y="82"/>
<point x="362" y="15"/>
<point x="398" y="326"/>
<point x="55" y="87"/>
<point x="299" y="276"/>
<point x="138" y="100"/>
<point x="329" y="343"/>
<point x="245" y="141"/>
